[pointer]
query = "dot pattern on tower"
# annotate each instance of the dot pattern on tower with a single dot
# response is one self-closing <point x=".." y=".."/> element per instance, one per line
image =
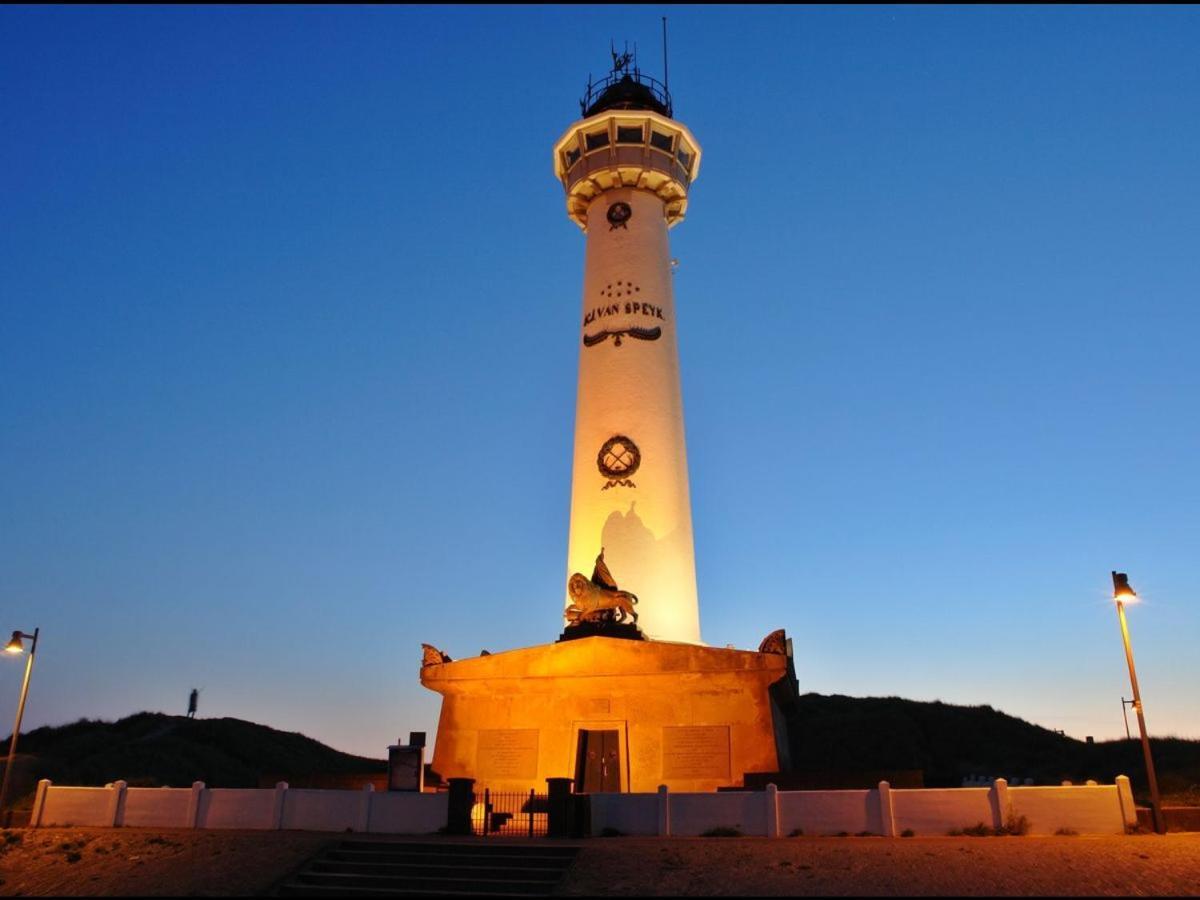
<point x="620" y="289"/>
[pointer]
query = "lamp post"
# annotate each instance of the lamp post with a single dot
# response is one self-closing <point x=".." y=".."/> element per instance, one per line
<point x="15" y="647"/>
<point x="1123" y="594"/>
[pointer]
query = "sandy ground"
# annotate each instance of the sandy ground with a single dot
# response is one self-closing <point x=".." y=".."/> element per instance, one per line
<point x="142" y="862"/>
<point x="106" y="862"/>
<point x="1134" y="865"/>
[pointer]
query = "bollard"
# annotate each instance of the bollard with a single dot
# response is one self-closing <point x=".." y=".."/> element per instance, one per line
<point x="459" y="804"/>
<point x="560" y="807"/>
<point x="664" y="811"/>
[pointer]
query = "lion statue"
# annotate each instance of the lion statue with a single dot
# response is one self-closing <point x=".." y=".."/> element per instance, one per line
<point x="590" y="601"/>
<point x="595" y="599"/>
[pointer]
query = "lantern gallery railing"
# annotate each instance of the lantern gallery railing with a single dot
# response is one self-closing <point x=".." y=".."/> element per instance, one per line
<point x="616" y="83"/>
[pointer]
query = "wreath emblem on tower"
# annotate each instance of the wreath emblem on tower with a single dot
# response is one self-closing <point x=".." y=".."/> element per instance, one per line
<point x="617" y="460"/>
<point x="618" y="215"/>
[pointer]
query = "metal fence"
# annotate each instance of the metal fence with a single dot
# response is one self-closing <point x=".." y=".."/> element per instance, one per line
<point x="510" y="814"/>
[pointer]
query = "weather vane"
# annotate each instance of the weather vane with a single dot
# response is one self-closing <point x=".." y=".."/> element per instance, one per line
<point x="621" y="61"/>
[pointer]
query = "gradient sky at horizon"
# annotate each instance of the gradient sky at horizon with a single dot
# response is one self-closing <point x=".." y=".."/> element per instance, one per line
<point x="288" y="316"/>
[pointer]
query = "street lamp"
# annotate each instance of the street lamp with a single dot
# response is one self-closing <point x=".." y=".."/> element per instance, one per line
<point x="15" y="647"/>
<point x="1123" y="594"/>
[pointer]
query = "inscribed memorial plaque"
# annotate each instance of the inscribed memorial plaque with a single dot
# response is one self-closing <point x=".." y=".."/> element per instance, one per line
<point x="406" y="768"/>
<point x="507" y="753"/>
<point x="696" y="751"/>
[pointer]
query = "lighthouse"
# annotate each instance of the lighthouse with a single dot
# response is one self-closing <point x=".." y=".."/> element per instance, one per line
<point x="628" y="698"/>
<point x="626" y="168"/>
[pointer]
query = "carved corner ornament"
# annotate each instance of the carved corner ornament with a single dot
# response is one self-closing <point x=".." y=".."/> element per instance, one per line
<point x="597" y="599"/>
<point x="775" y="642"/>
<point x="433" y="656"/>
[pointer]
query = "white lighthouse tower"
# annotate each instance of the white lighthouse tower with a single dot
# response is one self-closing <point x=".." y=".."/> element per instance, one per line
<point x="626" y="167"/>
<point x="602" y="705"/>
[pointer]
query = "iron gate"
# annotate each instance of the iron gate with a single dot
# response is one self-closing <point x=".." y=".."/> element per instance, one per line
<point x="510" y="814"/>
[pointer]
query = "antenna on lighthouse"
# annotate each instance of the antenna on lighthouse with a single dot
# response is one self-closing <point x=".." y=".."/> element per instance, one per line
<point x="666" y="76"/>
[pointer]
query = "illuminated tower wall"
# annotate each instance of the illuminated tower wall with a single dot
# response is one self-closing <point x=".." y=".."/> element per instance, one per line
<point x="626" y="169"/>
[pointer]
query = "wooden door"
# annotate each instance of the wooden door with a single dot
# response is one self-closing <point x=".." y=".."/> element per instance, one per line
<point x="598" y="769"/>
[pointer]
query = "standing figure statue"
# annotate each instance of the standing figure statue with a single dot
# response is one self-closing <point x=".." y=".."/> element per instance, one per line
<point x="193" y="702"/>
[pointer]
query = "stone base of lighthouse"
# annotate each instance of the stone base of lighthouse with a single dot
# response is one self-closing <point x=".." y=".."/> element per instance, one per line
<point x="615" y="715"/>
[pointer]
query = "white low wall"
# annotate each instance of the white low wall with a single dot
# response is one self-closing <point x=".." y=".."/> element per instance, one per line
<point x="694" y="814"/>
<point x="158" y="807"/>
<point x="1091" y="809"/>
<point x="936" y="811"/>
<point x="262" y="809"/>
<point x="76" y="806"/>
<point x="316" y="810"/>
<point x="625" y="813"/>
<point x="401" y="812"/>
<point x="1086" y="809"/>
<point x="237" y="808"/>
<point x="829" y="812"/>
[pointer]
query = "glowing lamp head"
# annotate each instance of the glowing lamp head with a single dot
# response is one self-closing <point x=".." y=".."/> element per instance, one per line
<point x="1122" y="592"/>
<point x="15" y="645"/>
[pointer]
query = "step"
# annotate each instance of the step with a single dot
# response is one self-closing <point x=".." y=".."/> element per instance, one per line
<point x="489" y="846"/>
<point x="315" y="890"/>
<point x="446" y="859"/>
<point x="424" y="883"/>
<point x="433" y="870"/>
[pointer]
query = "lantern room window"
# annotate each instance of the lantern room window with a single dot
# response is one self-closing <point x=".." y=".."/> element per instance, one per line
<point x="684" y="154"/>
<point x="630" y="134"/>
<point x="660" y="141"/>
<point x="596" y="140"/>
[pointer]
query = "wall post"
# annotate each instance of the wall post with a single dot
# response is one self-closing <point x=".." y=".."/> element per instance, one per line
<point x="116" y="808"/>
<point x="459" y="804"/>
<point x="771" y="801"/>
<point x="193" y="810"/>
<point x="1125" y="799"/>
<point x="887" y="815"/>
<point x="39" y="802"/>
<point x="1001" y="804"/>
<point x="281" y="789"/>
<point x="664" y="811"/>
<point x="364" y="812"/>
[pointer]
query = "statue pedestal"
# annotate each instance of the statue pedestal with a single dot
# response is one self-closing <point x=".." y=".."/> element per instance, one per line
<point x="624" y="630"/>
<point x="614" y="714"/>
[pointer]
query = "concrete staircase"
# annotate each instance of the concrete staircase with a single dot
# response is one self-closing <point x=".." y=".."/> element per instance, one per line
<point x="483" y="867"/>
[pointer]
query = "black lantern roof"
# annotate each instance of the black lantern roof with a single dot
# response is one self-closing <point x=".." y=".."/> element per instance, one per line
<point x="624" y="88"/>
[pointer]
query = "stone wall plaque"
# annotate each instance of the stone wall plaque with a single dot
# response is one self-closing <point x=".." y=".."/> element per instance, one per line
<point x="696" y="751"/>
<point x="507" y="753"/>
<point x="599" y="706"/>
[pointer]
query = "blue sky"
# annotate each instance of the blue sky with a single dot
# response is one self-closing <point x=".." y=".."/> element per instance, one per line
<point x="288" y="305"/>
